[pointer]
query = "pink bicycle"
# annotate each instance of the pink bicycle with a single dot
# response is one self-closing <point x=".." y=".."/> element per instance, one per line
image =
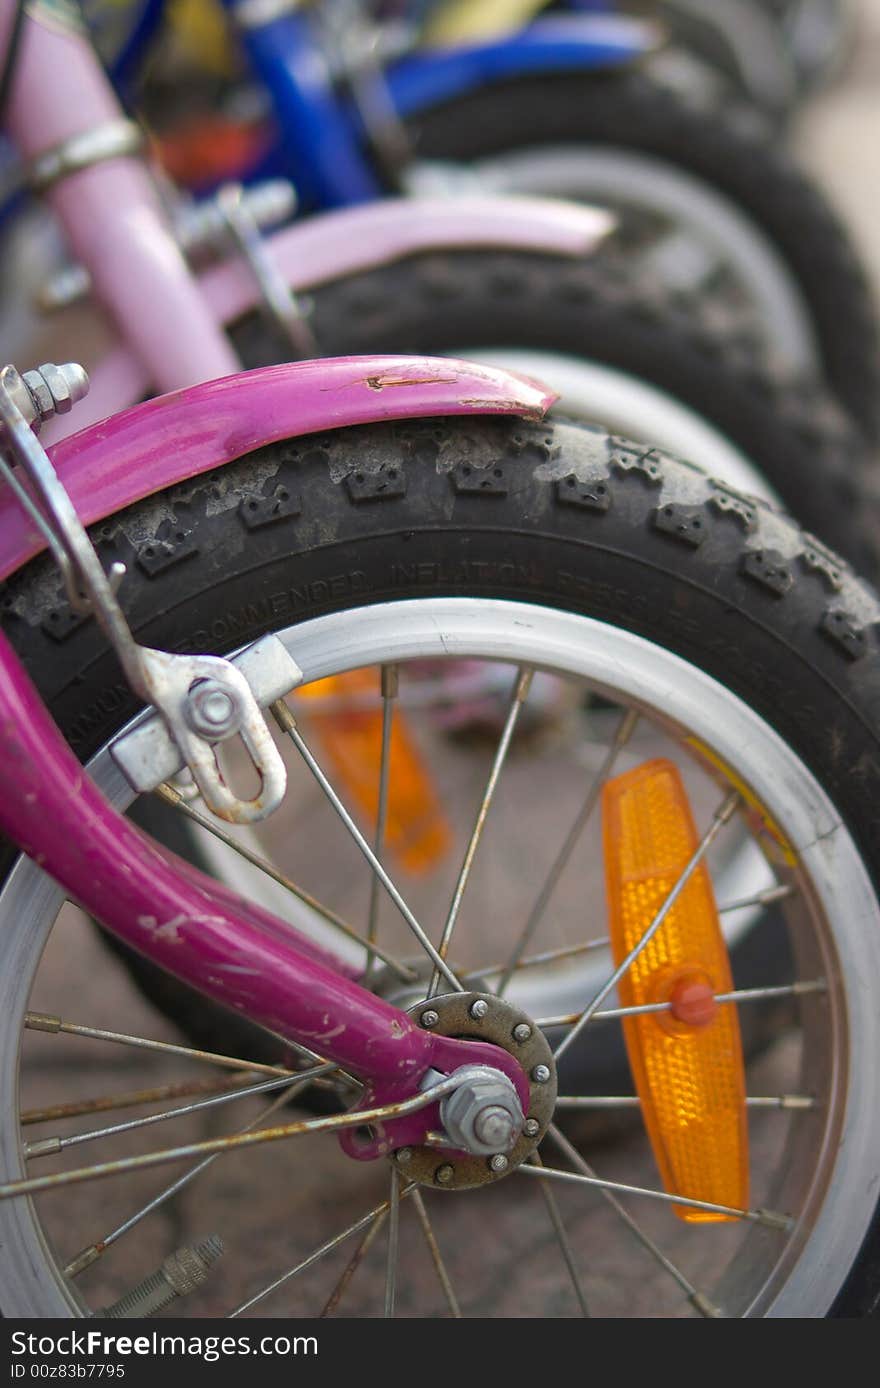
<point x="427" y="1035"/>
<point x="735" y="748"/>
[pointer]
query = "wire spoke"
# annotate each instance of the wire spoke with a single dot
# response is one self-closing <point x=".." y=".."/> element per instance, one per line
<point x="436" y="1255"/>
<point x="133" y="1098"/>
<point x="564" y="1245"/>
<point x="353" y="1118"/>
<point x="288" y="724"/>
<point x="623" y="734"/>
<point x="353" y="1264"/>
<point x="777" y="892"/>
<point x="520" y="694"/>
<point x="50" y="1146"/>
<point x="390" y="683"/>
<point x="318" y="1253"/>
<point x="698" y="1299"/>
<point x="547" y="956"/>
<point x="766" y="1217"/>
<point x="721" y="817"/>
<point x="738" y="995"/>
<point x="764" y="898"/>
<point x="594" y="1101"/>
<point x="43" y="1021"/>
<point x="89" y="1255"/>
<point x="173" y="797"/>
<point x="393" y="1244"/>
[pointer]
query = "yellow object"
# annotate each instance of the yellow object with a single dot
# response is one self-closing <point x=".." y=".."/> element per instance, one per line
<point x="202" y="31"/>
<point x="460" y="21"/>
<point x="687" y="1062"/>
<point x="416" y="829"/>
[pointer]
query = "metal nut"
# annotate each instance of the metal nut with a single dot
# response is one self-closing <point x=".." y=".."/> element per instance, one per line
<point x="479" y="1008"/>
<point x="541" y="1074"/>
<point x="444" y="1174"/>
<point x="403" y="1155"/>
<point x="483" y="1115"/>
<point x="499" y="1162"/>
<point x="429" y="1018"/>
<point x="522" y="1031"/>
<point x="531" y="1127"/>
<point x="41" y="393"/>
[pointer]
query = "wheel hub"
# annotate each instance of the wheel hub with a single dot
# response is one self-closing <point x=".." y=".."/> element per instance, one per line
<point x="486" y="1134"/>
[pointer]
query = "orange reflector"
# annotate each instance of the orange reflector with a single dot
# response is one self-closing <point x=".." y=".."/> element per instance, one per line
<point x="687" y="1062"/>
<point x="416" y="829"/>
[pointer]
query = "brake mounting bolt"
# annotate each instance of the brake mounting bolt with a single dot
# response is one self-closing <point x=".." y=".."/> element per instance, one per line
<point x="541" y="1074"/>
<point x="479" y="1008"/>
<point x="531" y="1127"/>
<point x="499" y="1162"/>
<point x="429" y="1018"/>
<point x="522" y="1031"/>
<point x="212" y="710"/>
<point x="444" y="1174"/>
<point x="403" y="1155"/>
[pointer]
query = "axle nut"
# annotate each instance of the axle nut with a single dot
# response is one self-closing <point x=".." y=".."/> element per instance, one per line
<point x="483" y="1116"/>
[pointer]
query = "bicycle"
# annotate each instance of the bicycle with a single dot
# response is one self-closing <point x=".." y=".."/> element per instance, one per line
<point x="564" y="108"/>
<point x="740" y="683"/>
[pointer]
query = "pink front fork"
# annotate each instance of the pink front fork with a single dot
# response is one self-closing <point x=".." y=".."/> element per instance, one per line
<point x="110" y="212"/>
<point x="192" y="926"/>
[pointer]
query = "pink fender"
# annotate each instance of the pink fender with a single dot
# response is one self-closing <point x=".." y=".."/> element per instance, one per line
<point x="347" y="242"/>
<point x="178" y="436"/>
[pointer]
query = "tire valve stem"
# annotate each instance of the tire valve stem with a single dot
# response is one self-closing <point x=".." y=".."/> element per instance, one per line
<point x="181" y="1272"/>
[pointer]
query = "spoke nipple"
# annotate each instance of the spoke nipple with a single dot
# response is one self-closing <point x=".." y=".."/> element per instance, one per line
<point x="46" y="1147"/>
<point x="531" y="1127"/>
<point x="84" y="1259"/>
<point x="706" y="1308"/>
<point x="429" y="1018"/>
<point x="541" y="1074"/>
<point x="479" y="1008"/>
<point x="42" y="1021"/>
<point x="403" y="1155"/>
<point x="499" y="1162"/>
<point x="522" y="1031"/>
<point x="444" y="1174"/>
<point x="774" y="1220"/>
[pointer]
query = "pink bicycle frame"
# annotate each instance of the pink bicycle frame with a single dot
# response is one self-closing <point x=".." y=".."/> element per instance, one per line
<point x="187" y="923"/>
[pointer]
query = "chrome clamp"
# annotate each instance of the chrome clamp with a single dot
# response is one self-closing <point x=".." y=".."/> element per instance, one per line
<point x="201" y="699"/>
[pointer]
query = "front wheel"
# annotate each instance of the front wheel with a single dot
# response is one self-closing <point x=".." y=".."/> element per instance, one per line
<point x="684" y="626"/>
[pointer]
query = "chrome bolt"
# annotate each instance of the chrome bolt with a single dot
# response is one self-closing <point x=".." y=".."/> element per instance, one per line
<point x="531" y="1127"/>
<point x="212" y="710"/>
<point x="430" y="1018"/>
<point x="479" y="1008"/>
<point x="494" y="1126"/>
<point x="522" y="1031"/>
<point x="403" y="1155"/>
<point x="499" y="1162"/>
<point x="444" y="1174"/>
<point x="541" y="1074"/>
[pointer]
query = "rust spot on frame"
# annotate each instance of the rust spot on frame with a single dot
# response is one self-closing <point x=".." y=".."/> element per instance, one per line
<point x="387" y="382"/>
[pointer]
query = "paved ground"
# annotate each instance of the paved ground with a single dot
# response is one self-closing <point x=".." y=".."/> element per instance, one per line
<point x="273" y="1208"/>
